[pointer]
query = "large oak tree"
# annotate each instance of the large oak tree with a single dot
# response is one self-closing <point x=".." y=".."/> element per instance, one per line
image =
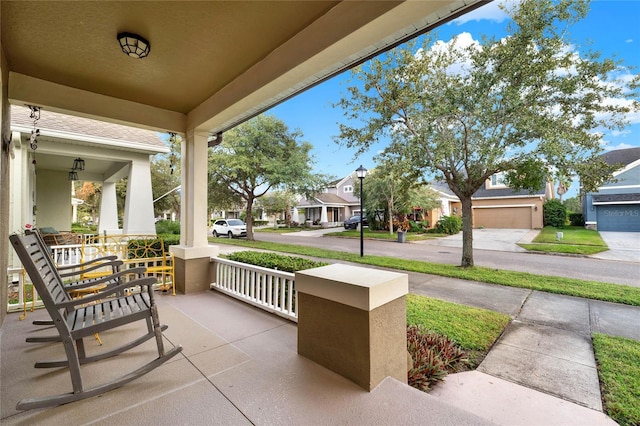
<point x="526" y="105"/>
<point x="257" y="156"/>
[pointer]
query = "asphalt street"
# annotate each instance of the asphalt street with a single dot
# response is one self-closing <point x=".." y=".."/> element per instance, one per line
<point x="611" y="271"/>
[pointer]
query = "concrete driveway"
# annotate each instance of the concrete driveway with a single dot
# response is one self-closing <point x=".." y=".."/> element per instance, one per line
<point x="623" y="246"/>
<point x="489" y="239"/>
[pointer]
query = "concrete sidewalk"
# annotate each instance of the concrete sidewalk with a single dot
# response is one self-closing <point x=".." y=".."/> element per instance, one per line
<point x="542" y="370"/>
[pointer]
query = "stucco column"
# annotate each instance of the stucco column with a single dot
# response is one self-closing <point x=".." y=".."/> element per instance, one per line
<point x="352" y="320"/>
<point x="108" y="210"/>
<point x="138" y="206"/>
<point x="323" y="215"/>
<point x="192" y="256"/>
<point x="5" y="181"/>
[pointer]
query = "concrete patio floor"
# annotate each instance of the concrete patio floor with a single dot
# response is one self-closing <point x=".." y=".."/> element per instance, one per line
<point x="239" y="366"/>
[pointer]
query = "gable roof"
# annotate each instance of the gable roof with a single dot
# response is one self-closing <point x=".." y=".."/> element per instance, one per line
<point x="72" y="125"/>
<point x="483" y="192"/>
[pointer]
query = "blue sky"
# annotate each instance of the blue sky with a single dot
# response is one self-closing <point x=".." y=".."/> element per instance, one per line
<point x="612" y="27"/>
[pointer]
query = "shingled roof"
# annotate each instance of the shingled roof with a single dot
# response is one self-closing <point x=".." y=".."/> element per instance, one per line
<point x="71" y="124"/>
<point x="622" y="156"/>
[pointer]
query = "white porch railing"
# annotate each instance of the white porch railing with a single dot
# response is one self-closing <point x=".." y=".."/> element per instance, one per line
<point x="17" y="300"/>
<point x="268" y="289"/>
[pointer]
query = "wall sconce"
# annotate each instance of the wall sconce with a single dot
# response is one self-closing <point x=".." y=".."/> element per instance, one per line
<point x="73" y="175"/>
<point x="134" y="45"/>
<point x="535" y="208"/>
<point x="78" y="164"/>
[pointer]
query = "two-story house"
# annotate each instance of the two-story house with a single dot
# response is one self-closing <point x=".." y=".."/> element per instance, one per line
<point x="615" y="206"/>
<point x="331" y="207"/>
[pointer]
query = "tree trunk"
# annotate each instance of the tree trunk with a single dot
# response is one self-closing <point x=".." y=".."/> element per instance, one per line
<point x="467" y="233"/>
<point x="249" y="219"/>
<point x="390" y="208"/>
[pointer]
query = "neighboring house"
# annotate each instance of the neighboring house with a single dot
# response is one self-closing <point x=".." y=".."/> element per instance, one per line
<point x="615" y="206"/>
<point x="333" y="206"/>
<point x="495" y="205"/>
<point x="41" y="192"/>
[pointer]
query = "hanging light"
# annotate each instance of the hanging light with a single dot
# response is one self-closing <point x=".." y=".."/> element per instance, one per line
<point x="73" y="175"/>
<point x="34" y="114"/>
<point x="134" y="45"/>
<point x="78" y="164"/>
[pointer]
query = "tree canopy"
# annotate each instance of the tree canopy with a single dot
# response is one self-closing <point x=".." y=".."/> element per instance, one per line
<point x="257" y="156"/>
<point x="527" y="105"/>
<point x="389" y="189"/>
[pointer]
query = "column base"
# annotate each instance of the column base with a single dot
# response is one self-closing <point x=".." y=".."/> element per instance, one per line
<point x="193" y="269"/>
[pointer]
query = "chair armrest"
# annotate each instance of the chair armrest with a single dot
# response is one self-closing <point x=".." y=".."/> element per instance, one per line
<point x="107" y="291"/>
<point x="107" y="279"/>
<point x="114" y="264"/>
<point x="88" y="262"/>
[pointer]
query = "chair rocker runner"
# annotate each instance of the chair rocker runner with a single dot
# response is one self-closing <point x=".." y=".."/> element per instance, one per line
<point x="74" y="322"/>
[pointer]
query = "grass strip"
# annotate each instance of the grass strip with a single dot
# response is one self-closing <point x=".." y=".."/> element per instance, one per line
<point x="619" y="370"/>
<point x="571" y="235"/>
<point x="564" y="248"/>
<point x="559" y="285"/>
<point x="473" y="329"/>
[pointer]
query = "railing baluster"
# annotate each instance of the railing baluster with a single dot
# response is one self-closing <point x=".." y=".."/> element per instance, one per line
<point x="271" y="290"/>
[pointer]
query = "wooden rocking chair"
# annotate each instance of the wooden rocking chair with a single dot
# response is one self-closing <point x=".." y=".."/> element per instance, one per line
<point x="74" y="322"/>
<point x="79" y="286"/>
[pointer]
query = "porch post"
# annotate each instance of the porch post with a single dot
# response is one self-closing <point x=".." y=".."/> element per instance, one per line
<point x="138" y="206"/>
<point x="352" y="320"/>
<point x="323" y="216"/>
<point x="192" y="256"/>
<point x="108" y="210"/>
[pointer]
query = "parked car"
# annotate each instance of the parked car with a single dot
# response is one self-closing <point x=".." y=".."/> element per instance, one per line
<point x="229" y="227"/>
<point x="353" y="221"/>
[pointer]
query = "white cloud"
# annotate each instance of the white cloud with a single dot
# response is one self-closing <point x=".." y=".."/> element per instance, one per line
<point x="620" y="132"/>
<point x="489" y="12"/>
<point x="619" y="146"/>
<point x="629" y="40"/>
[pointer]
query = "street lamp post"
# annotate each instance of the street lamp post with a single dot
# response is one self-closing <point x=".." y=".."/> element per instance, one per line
<point x="361" y="172"/>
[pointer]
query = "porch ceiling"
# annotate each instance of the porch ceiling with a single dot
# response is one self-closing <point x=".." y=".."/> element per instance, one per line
<point x="212" y="64"/>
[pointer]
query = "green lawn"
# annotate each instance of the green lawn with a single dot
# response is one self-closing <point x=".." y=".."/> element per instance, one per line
<point x="277" y="230"/>
<point x="570" y="286"/>
<point x="575" y="240"/>
<point x="474" y="330"/>
<point x="618" y="362"/>
<point x="382" y="235"/>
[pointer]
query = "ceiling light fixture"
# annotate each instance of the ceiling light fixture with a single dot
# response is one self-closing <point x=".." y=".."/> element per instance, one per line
<point x="134" y="45"/>
<point x="73" y="175"/>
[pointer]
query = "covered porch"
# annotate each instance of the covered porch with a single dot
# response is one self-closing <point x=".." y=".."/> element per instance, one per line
<point x="239" y="366"/>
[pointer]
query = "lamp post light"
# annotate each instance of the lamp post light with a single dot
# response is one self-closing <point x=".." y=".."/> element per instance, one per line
<point x="361" y="172"/>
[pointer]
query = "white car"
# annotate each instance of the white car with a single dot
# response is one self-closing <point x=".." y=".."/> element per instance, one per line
<point x="229" y="227"/>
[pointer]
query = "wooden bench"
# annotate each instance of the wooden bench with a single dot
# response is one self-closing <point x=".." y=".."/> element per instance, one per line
<point x="75" y="319"/>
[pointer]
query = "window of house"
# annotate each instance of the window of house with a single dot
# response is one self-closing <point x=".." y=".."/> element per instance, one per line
<point x="347" y="188"/>
<point x="497" y="181"/>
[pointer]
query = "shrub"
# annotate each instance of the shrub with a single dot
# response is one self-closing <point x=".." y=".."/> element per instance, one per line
<point x="418" y="226"/>
<point x="555" y="213"/>
<point x="274" y="261"/>
<point x="260" y="222"/>
<point x="576" y="219"/>
<point x="433" y="357"/>
<point x="449" y="225"/>
<point x="167" y="227"/>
